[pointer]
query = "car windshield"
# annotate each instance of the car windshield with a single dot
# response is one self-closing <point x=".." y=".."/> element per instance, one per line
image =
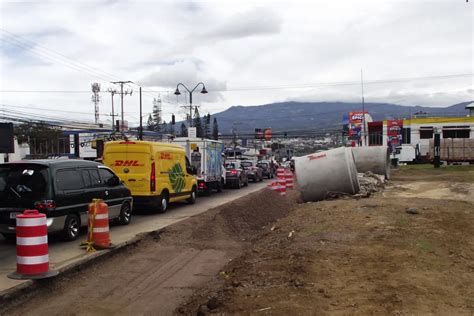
<point x="262" y="164"/>
<point x="18" y="182"/>
<point x="230" y="165"/>
<point x="247" y="163"/>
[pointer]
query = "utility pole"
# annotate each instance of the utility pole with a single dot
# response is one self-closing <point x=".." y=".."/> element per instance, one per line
<point x="140" y="130"/>
<point x="122" y="93"/>
<point x="112" y="92"/>
<point x="363" y="108"/>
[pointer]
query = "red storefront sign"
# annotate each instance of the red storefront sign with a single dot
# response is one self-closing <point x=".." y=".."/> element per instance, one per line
<point x="394" y="132"/>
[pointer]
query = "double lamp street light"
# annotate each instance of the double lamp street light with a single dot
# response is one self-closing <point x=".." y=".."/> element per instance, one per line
<point x="203" y="91"/>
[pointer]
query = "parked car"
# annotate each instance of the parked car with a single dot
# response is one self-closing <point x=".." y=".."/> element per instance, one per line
<point x="236" y="175"/>
<point x="267" y="169"/>
<point x="156" y="173"/>
<point x="62" y="189"/>
<point x="253" y="172"/>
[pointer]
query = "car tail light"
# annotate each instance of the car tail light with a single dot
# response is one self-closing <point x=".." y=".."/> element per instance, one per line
<point x="233" y="171"/>
<point x="152" y="178"/>
<point x="45" y="205"/>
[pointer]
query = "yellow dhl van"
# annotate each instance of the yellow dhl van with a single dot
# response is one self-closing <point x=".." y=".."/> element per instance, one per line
<point x="156" y="173"/>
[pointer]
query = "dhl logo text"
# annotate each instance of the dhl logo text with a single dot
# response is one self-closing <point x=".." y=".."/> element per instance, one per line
<point x="129" y="163"/>
<point x="165" y="156"/>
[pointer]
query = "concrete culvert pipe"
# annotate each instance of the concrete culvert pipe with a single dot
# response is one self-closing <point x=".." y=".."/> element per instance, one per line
<point x="374" y="159"/>
<point x="327" y="171"/>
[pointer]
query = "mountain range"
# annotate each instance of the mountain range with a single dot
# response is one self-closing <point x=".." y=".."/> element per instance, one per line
<point x="319" y="116"/>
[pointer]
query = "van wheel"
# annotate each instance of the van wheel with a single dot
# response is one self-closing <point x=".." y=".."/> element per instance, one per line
<point x="125" y="214"/>
<point x="219" y="186"/>
<point x="163" y="203"/>
<point x="72" y="226"/>
<point x="192" y="198"/>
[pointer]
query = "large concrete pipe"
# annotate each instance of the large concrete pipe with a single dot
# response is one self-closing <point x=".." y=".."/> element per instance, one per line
<point x="375" y="159"/>
<point x="327" y="171"/>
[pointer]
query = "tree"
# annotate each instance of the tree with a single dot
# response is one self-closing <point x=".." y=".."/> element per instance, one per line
<point x="206" y="125"/>
<point x="197" y="123"/>
<point x="157" y="114"/>
<point x="215" y="130"/>
<point x="41" y="138"/>
<point x="164" y="128"/>
<point x="149" y="125"/>
<point x="184" y="130"/>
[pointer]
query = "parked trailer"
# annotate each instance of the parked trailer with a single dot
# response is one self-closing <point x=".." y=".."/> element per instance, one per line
<point x="205" y="155"/>
<point x="454" y="150"/>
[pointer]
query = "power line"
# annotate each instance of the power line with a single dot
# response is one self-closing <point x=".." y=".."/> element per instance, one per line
<point x="40" y="50"/>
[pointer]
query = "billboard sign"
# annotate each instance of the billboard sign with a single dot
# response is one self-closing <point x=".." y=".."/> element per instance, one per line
<point x="356" y="120"/>
<point x="394" y="132"/>
<point x="6" y="138"/>
<point x="265" y="134"/>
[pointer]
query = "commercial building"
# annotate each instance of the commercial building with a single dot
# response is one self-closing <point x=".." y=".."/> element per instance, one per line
<point x="412" y="139"/>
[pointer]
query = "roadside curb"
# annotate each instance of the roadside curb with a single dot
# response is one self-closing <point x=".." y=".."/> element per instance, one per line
<point x="23" y="291"/>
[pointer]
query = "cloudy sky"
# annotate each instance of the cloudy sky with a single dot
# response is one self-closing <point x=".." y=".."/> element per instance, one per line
<point x="412" y="52"/>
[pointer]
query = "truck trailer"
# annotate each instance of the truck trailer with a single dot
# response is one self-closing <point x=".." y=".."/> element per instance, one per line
<point x="206" y="157"/>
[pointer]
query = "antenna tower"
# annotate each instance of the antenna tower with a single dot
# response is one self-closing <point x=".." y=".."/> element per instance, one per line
<point x="96" y="99"/>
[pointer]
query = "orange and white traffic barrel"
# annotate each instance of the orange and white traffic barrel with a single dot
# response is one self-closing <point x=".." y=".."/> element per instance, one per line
<point x="289" y="179"/>
<point x="32" y="258"/>
<point x="99" y="234"/>
<point x="281" y="173"/>
<point x="281" y="184"/>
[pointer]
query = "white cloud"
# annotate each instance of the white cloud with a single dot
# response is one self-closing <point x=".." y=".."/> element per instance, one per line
<point x="236" y="44"/>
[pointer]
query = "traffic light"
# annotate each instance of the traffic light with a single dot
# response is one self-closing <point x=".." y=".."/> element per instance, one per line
<point x="172" y="119"/>
<point x="285" y="135"/>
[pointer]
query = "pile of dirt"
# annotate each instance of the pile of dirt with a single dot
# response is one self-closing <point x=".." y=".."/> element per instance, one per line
<point x="239" y="221"/>
<point x="379" y="255"/>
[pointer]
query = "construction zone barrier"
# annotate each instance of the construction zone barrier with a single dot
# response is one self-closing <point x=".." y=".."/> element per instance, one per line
<point x="98" y="236"/>
<point x="278" y="186"/>
<point x="32" y="258"/>
<point x="284" y="181"/>
<point x="289" y="179"/>
<point x="324" y="172"/>
<point x="374" y="159"/>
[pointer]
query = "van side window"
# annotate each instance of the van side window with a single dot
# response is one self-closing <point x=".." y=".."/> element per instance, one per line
<point x="95" y="178"/>
<point x="69" y="179"/>
<point x="105" y="175"/>
<point x="91" y="178"/>
<point x="87" y="178"/>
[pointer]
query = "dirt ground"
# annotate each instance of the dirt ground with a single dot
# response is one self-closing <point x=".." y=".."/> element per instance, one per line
<point x="400" y="251"/>
<point x="158" y="274"/>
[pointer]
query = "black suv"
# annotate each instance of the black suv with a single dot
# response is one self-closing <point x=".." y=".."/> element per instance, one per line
<point x="62" y="189"/>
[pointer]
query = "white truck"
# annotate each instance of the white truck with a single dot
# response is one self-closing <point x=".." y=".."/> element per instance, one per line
<point x="206" y="156"/>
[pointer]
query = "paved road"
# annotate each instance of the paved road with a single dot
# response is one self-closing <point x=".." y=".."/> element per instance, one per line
<point x="64" y="253"/>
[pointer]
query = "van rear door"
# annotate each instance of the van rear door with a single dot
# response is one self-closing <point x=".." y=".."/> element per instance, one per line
<point x="131" y="161"/>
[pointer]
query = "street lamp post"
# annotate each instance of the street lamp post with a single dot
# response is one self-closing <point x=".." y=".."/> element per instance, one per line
<point x="203" y="91"/>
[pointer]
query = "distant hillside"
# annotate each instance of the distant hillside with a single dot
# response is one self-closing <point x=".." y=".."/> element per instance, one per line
<point x="288" y="116"/>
